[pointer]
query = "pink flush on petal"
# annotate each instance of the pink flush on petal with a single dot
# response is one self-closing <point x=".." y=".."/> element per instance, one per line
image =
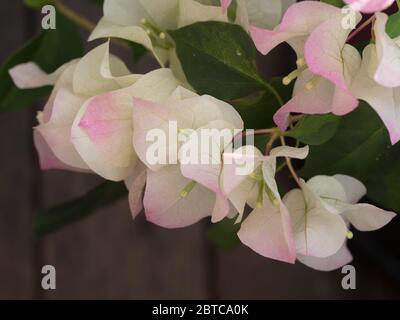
<point x="96" y="120"/>
<point x="369" y="6"/>
<point x="225" y="5"/>
<point x="47" y="158"/>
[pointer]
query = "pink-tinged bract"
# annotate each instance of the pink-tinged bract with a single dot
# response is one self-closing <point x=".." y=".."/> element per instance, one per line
<point x="369" y="6"/>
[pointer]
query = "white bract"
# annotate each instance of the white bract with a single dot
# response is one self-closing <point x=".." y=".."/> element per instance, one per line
<point x="249" y="177"/>
<point x="180" y="194"/>
<point x="74" y="83"/>
<point x="322" y="212"/>
<point x="378" y="79"/>
<point x="261" y="13"/>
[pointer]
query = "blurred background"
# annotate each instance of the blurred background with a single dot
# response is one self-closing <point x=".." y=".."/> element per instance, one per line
<point x="109" y="256"/>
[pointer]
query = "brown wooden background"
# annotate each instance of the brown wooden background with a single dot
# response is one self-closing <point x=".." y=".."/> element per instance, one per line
<point x="109" y="255"/>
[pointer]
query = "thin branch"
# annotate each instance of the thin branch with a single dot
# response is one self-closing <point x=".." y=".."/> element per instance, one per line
<point x="74" y="16"/>
<point x="82" y="22"/>
<point x="290" y="165"/>
<point x="361" y="27"/>
<point x="270" y="143"/>
<point x="274" y="92"/>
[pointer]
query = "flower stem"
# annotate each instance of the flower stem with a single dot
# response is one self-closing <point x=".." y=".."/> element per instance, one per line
<point x="290" y="165"/>
<point x="74" y="16"/>
<point x="274" y="92"/>
<point x="270" y="143"/>
<point x="82" y="22"/>
<point x="362" y="27"/>
<point x="281" y="166"/>
<point x="266" y="131"/>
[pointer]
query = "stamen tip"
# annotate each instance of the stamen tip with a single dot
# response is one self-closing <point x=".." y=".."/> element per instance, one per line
<point x="184" y="194"/>
<point x="300" y="62"/>
<point x="349" y="235"/>
<point x="309" y="85"/>
<point x="286" y="81"/>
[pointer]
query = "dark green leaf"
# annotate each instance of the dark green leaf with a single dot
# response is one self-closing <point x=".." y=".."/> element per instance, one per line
<point x="99" y="2"/>
<point x="138" y="51"/>
<point x="315" y="129"/>
<point x="218" y="59"/>
<point x="52" y="219"/>
<point x="232" y="11"/>
<point x="257" y="112"/>
<point x="37" y="3"/>
<point x="336" y="3"/>
<point x="49" y="51"/>
<point x="224" y="234"/>
<point x="361" y="148"/>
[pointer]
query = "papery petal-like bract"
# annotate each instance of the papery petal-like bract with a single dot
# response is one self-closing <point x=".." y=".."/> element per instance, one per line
<point x="268" y="231"/>
<point x="147" y="22"/>
<point x="191" y="11"/>
<point x="261" y="13"/>
<point x="387" y="53"/>
<point x="384" y="100"/>
<point x="297" y="24"/>
<point x="164" y="204"/>
<point x="326" y="64"/>
<point x="225" y="4"/>
<point x="135" y="184"/>
<point x="187" y="116"/>
<point x="29" y="75"/>
<point x="103" y="130"/>
<point x="74" y="83"/>
<point x="322" y="212"/>
<point x="369" y="6"/>
<point x="207" y="169"/>
<point x="333" y="262"/>
<point x="268" y="228"/>
<point x="318" y="232"/>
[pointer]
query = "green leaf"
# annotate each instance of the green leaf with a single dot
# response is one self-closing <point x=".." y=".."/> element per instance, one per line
<point x="315" y="129"/>
<point x="99" y="2"/>
<point x="138" y="51"/>
<point x="393" y="25"/>
<point x="361" y="148"/>
<point x="336" y="3"/>
<point x="37" y="3"/>
<point x="257" y="112"/>
<point x="52" y="219"/>
<point x="218" y="59"/>
<point x="224" y="234"/>
<point x="49" y="50"/>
